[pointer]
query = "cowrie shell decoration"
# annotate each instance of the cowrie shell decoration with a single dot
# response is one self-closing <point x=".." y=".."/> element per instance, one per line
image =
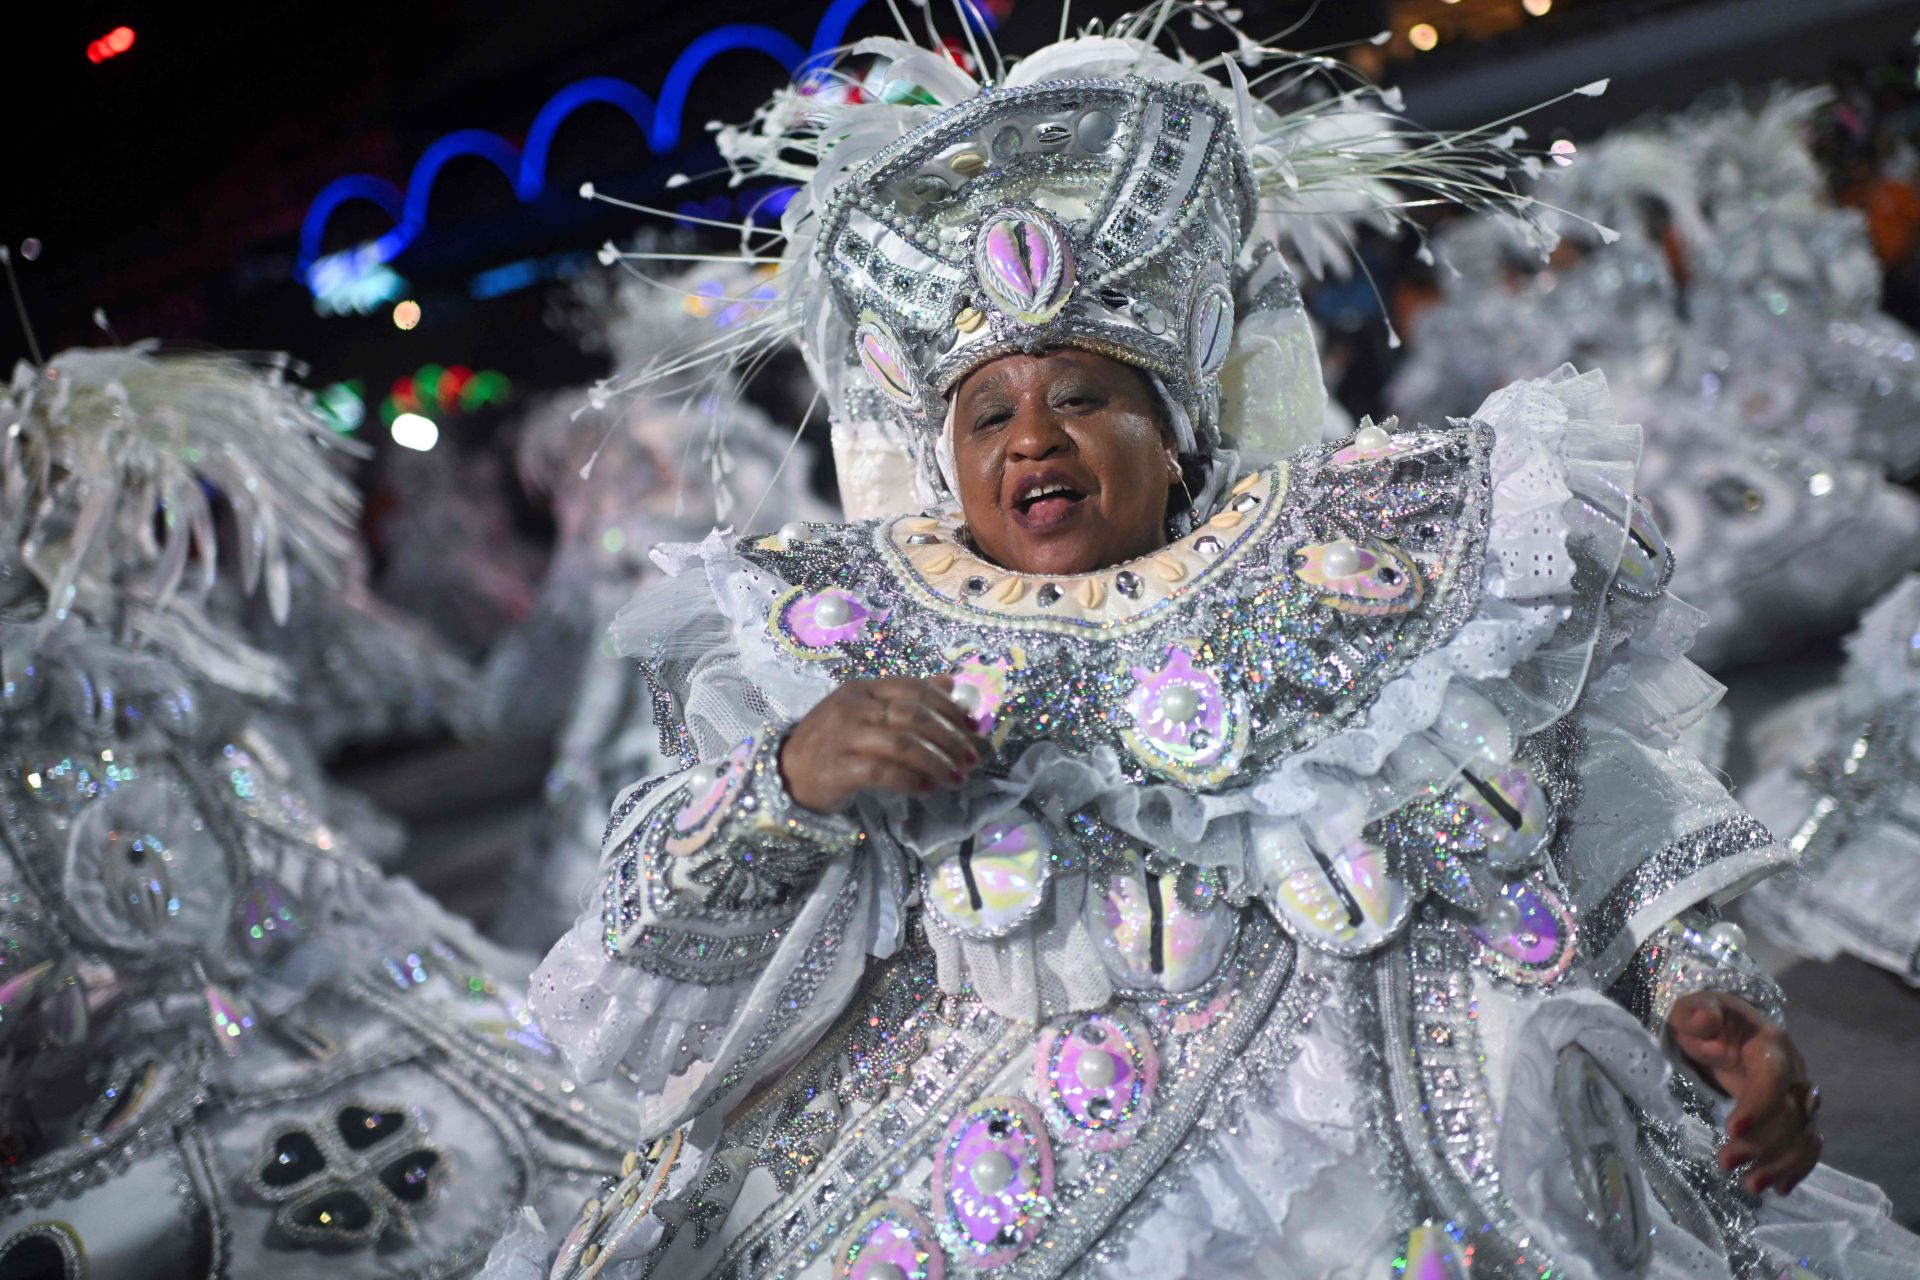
<point x="885" y="362"/>
<point x="1024" y="265"/>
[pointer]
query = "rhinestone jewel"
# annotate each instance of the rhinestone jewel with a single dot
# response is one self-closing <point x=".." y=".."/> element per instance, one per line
<point x="1006" y="143"/>
<point x="1047" y="595"/>
<point x="1207" y="545"/>
<point x="1127" y="583"/>
<point x="975" y="585"/>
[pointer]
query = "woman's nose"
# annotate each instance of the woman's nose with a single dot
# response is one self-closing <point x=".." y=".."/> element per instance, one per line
<point x="1037" y="433"/>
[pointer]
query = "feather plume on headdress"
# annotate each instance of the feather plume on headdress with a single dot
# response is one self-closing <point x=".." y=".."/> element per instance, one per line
<point x="892" y="236"/>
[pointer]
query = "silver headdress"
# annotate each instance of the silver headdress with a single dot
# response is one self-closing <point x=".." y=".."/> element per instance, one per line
<point x="1098" y="194"/>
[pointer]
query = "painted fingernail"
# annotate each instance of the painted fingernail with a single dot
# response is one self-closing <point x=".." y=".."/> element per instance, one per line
<point x="926" y="785"/>
<point x="1739" y="1127"/>
<point x="1761" y="1183"/>
<point x="973" y="757"/>
<point x="957" y="777"/>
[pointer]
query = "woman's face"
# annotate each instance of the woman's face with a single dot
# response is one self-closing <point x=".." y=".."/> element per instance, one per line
<point x="1063" y="462"/>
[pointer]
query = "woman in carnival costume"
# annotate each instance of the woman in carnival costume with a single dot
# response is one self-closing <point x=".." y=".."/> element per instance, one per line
<point x="228" y="1046"/>
<point x="1153" y="857"/>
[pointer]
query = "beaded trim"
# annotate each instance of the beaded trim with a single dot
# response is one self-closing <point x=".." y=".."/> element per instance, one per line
<point x="1657" y="876"/>
<point x="703" y="888"/>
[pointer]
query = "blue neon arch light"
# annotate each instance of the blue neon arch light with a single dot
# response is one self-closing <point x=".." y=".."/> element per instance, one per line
<point x="526" y="166"/>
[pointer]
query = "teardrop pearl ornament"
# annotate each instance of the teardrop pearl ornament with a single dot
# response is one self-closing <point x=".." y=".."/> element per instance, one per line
<point x="1371" y="437"/>
<point x="1024" y="265"/>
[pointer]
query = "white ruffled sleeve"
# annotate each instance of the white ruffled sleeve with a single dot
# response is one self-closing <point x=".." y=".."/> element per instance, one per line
<point x="733" y="924"/>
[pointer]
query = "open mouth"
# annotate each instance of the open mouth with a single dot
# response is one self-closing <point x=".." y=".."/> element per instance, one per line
<point x="1045" y="500"/>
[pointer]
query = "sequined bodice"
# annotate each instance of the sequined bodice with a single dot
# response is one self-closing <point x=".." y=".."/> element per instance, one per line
<point x="1271" y="623"/>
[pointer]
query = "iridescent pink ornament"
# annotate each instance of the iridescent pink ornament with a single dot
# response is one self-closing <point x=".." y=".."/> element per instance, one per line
<point x="1180" y="712"/>
<point x="817" y="621"/>
<point x="1024" y="265"/>
<point x="993" y="1181"/>
<point x="1095" y="1074"/>
<point x="891" y="1241"/>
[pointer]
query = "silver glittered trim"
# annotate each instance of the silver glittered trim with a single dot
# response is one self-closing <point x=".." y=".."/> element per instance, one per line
<point x="1723" y="855"/>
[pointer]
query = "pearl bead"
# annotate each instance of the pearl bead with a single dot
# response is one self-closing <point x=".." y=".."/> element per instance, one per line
<point x="1096" y="1069"/>
<point x="884" y="1271"/>
<point x="1727" y="934"/>
<point x="1500" y="918"/>
<point x="1340" y="560"/>
<point x="992" y="1171"/>
<point x="1180" y="704"/>
<point x="966" y="695"/>
<point x="794" y="531"/>
<point x="832" y="611"/>
<point x="1371" y="437"/>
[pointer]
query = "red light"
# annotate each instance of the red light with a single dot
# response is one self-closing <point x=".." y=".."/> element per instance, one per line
<point x="112" y="44"/>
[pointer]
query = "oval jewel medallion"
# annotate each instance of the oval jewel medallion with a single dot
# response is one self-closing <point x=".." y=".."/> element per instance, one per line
<point x="1210" y="326"/>
<point x="1540" y="946"/>
<point x="1024" y="265"/>
<point x="993" y="1182"/>
<point x="1371" y="579"/>
<point x="1095" y="1074"/>
<point x="891" y="1241"/>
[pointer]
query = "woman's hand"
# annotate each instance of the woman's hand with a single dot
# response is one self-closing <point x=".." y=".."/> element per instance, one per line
<point x="895" y="734"/>
<point x="1773" y="1122"/>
